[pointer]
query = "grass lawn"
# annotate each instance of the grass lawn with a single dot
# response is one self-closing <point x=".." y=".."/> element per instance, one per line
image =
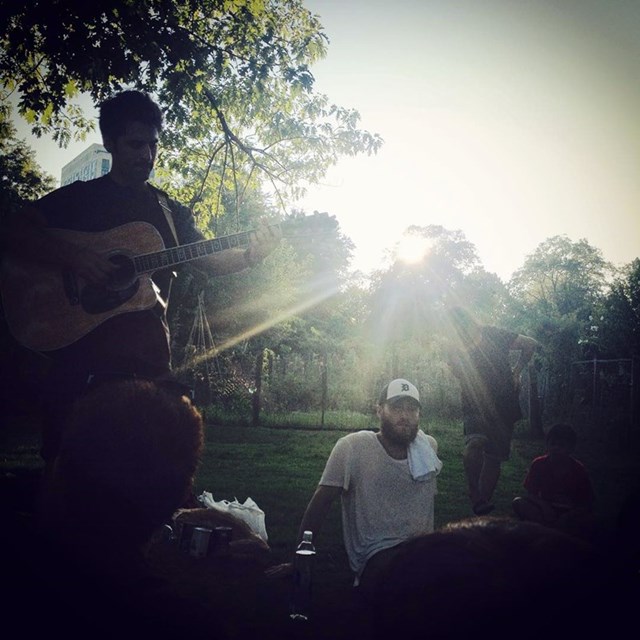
<point x="280" y="468"/>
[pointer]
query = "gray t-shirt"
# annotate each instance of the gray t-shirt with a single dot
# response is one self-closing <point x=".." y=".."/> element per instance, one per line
<point x="382" y="505"/>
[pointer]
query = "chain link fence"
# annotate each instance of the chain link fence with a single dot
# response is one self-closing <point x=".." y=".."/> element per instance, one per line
<point x="339" y="391"/>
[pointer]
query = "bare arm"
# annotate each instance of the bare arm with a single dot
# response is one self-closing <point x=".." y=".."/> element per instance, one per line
<point x="317" y="509"/>
<point x="263" y="241"/>
<point x="312" y="520"/>
<point x="526" y="346"/>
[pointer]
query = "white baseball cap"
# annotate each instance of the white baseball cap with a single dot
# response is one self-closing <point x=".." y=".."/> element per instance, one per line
<point x="399" y="388"/>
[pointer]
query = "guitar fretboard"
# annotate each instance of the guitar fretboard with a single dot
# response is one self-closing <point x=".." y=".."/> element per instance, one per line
<point x="149" y="262"/>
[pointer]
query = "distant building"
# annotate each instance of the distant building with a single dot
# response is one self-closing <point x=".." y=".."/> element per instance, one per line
<point x="91" y="163"/>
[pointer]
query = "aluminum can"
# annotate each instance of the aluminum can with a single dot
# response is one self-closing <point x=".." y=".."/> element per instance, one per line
<point x="200" y="542"/>
<point x="220" y="539"/>
<point x="186" y="533"/>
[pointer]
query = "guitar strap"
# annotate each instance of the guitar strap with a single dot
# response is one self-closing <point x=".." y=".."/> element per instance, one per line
<point x="166" y="209"/>
<point x="164" y="205"/>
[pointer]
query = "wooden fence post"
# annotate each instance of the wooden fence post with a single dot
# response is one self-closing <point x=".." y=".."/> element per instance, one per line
<point x="323" y="383"/>
<point x="535" y="413"/>
<point x="256" y="398"/>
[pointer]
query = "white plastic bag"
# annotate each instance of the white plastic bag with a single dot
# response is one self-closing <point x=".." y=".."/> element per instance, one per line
<point x="249" y="512"/>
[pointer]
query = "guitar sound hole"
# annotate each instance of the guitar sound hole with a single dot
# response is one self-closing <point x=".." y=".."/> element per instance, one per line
<point x="124" y="276"/>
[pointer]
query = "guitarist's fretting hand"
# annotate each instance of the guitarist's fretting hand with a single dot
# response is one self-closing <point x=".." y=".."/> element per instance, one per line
<point x="263" y="241"/>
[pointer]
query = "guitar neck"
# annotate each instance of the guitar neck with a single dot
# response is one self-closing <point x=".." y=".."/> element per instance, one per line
<point x="149" y="262"/>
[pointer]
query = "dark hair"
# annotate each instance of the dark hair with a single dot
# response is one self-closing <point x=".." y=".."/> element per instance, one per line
<point x="481" y="577"/>
<point x="126" y="107"/>
<point x="562" y="435"/>
<point x="128" y="456"/>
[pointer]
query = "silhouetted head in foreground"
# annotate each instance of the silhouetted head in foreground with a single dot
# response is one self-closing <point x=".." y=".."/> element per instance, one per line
<point x="496" y="577"/>
<point x="126" y="463"/>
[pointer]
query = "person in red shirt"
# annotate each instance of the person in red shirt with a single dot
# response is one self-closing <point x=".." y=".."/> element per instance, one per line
<point x="559" y="491"/>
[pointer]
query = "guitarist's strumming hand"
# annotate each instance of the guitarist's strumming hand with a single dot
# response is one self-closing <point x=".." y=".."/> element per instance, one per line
<point x="39" y="244"/>
<point x="88" y="264"/>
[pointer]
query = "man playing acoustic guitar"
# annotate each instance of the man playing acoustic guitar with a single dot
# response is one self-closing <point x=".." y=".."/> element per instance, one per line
<point x="111" y="316"/>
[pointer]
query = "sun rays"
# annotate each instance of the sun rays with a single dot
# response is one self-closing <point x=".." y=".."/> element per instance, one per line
<point x="310" y="301"/>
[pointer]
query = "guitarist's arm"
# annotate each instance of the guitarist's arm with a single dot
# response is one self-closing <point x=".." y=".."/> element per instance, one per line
<point x="263" y="241"/>
<point x="27" y="230"/>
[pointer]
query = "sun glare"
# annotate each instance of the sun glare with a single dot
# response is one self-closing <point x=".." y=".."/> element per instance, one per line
<point x="412" y="248"/>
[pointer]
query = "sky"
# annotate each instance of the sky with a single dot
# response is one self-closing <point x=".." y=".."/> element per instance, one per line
<point x="510" y="120"/>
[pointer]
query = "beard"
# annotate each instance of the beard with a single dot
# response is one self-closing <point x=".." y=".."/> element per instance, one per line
<point x="402" y="432"/>
<point x="141" y="171"/>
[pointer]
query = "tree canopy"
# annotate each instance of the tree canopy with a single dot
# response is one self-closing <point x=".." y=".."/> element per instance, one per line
<point x="410" y="295"/>
<point x="562" y="277"/>
<point x="620" y="314"/>
<point x="232" y="77"/>
<point x="21" y="178"/>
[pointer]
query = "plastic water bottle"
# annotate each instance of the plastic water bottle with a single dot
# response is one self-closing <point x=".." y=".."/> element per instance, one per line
<point x="300" y="605"/>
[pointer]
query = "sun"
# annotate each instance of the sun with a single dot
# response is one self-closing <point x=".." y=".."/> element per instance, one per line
<point x="412" y="248"/>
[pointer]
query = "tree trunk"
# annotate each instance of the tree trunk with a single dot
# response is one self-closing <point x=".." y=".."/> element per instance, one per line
<point x="535" y="410"/>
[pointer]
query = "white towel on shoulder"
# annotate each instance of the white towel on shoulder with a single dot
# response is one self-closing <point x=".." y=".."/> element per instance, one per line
<point x="422" y="456"/>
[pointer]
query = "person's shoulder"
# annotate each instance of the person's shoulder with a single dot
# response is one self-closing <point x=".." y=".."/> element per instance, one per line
<point x="357" y="439"/>
<point x="160" y="192"/>
<point x="102" y="183"/>
<point x="174" y="205"/>
<point x="182" y="216"/>
<point x="540" y="460"/>
<point x="577" y="463"/>
<point x="71" y="197"/>
<point x="489" y="332"/>
<point x="499" y="336"/>
<point x="365" y="435"/>
<point x="358" y="436"/>
<point x="432" y="441"/>
<point x="499" y="332"/>
<point x="68" y="190"/>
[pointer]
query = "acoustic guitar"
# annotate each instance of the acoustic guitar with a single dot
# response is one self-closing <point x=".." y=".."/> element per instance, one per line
<point x="47" y="308"/>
